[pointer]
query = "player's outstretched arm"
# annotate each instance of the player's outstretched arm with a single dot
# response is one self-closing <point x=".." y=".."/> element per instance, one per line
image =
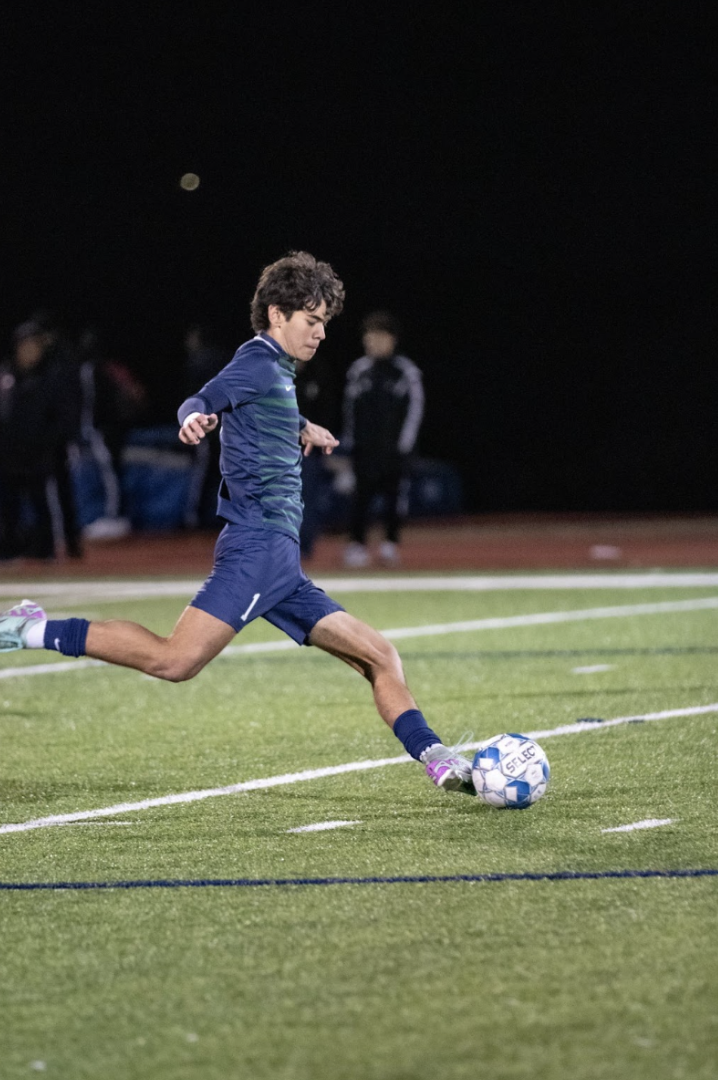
<point x="196" y="426"/>
<point x="313" y="435"/>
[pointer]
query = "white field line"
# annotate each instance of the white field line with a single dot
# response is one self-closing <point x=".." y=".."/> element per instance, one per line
<point x="80" y="591"/>
<point x="55" y="668"/>
<point x="540" y="618"/>
<point x="592" y="669"/>
<point x="206" y="793"/>
<point x="649" y="823"/>
<point x="331" y="770"/>
<point x="323" y="826"/>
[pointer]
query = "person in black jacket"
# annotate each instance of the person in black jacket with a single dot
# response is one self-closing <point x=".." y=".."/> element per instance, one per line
<point x="36" y="422"/>
<point x="204" y="358"/>
<point x="112" y="401"/>
<point x="319" y="396"/>
<point x="59" y="352"/>
<point x="383" y="410"/>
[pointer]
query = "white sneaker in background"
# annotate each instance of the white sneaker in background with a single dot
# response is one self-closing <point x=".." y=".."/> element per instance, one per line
<point x="389" y="553"/>
<point x="356" y="556"/>
<point x="106" y="528"/>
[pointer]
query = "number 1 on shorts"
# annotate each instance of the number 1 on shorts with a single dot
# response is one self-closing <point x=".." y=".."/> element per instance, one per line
<point x="255" y="598"/>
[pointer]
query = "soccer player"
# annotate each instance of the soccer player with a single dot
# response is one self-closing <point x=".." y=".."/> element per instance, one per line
<point x="256" y="569"/>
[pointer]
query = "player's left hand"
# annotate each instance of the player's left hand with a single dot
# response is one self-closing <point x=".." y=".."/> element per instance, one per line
<point x="313" y="435"/>
<point x="196" y="427"/>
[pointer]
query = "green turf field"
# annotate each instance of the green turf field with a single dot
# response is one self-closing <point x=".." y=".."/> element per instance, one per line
<point x="505" y="976"/>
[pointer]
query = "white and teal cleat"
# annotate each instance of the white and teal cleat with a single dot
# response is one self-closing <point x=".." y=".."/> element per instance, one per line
<point x="15" y="623"/>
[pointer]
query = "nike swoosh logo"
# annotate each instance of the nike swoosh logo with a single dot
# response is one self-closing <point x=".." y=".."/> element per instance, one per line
<point x="57" y="643"/>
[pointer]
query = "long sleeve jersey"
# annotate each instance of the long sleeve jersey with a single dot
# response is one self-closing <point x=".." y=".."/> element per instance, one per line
<point x="260" y="458"/>
<point x="383" y="407"/>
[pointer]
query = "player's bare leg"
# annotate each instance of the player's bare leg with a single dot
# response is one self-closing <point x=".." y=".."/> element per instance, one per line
<point x="364" y="649"/>
<point x="369" y="653"/>
<point x="196" y="639"/>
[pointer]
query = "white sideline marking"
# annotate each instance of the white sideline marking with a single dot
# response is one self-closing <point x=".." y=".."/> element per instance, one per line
<point x="591" y="668"/>
<point x="517" y="582"/>
<point x="207" y="793"/>
<point x="575" y="729"/>
<point x="541" y="618"/>
<point x="649" y="823"/>
<point x="323" y="826"/>
<point x="50" y="669"/>
<point x="331" y="770"/>
<point x="80" y="591"/>
<point x="544" y="617"/>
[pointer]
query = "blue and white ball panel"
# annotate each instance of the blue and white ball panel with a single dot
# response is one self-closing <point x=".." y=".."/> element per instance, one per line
<point x="518" y="794"/>
<point x="510" y="771"/>
<point x="488" y="758"/>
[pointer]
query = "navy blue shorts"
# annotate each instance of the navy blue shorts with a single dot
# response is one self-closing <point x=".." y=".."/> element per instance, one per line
<point x="256" y="573"/>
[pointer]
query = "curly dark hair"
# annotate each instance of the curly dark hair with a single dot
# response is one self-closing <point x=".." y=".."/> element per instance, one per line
<point x="296" y="282"/>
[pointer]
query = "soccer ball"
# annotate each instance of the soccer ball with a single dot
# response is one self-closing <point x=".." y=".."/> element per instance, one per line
<point x="510" y="771"/>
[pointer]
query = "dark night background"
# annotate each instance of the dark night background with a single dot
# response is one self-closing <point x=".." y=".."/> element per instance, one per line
<point x="528" y="186"/>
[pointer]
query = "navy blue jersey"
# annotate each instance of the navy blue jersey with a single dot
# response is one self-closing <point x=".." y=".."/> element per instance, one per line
<point x="260" y="458"/>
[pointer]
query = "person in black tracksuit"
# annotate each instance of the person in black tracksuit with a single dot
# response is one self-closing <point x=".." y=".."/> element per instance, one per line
<point x="37" y="414"/>
<point x="60" y="354"/>
<point x="383" y="410"/>
<point x="319" y="396"/>
<point x="112" y="400"/>
<point x="204" y="358"/>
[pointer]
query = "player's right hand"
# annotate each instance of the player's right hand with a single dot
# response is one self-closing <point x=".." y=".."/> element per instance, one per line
<point x="196" y="427"/>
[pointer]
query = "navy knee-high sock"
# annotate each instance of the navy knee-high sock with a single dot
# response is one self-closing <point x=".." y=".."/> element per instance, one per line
<point x="413" y="731"/>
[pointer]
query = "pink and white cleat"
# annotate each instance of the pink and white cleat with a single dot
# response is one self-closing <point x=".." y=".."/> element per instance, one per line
<point x="449" y="770"/>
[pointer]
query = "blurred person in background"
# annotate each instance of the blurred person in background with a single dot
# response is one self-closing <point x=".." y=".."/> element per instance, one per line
<point x="38" y="420"/>
<point x="112" y="401"/>
<point x="317" y="395"/>
<point x="61" y="352"/>
<point x="204" y="358"/>
<point x="383" y="410"/>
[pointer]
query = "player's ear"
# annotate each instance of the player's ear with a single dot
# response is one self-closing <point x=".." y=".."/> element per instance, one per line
<point x="275" y="315"/>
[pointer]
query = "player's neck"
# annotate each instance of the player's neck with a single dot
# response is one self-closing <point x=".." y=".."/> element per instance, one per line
<point x="276" y="335"/>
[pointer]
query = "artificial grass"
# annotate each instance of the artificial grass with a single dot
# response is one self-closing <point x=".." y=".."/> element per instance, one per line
<point x="587" y="979"/>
